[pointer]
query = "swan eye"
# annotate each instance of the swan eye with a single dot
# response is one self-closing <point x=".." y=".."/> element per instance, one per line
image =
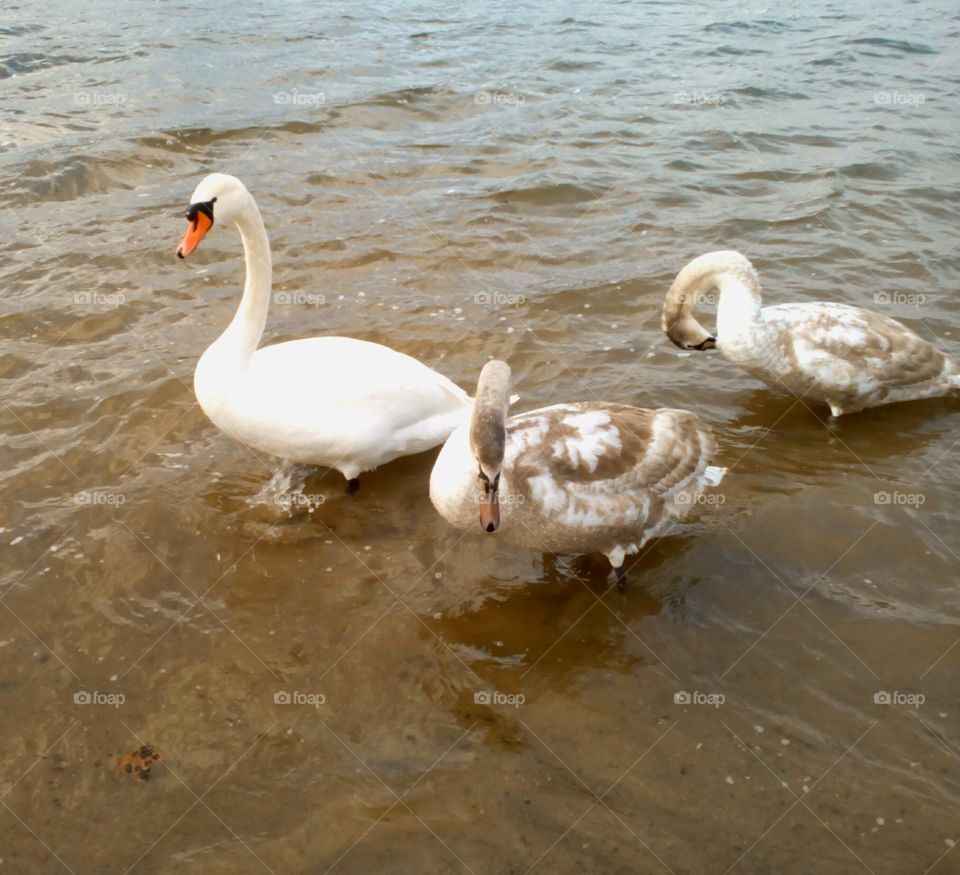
<point x="488" y="484"/>
<point x="205" y="207"/>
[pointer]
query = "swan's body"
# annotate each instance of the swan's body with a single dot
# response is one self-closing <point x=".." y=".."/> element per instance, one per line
<point x="332" y="401"/>
<point x="836" y="354"/>
<point x="572" y="478"/>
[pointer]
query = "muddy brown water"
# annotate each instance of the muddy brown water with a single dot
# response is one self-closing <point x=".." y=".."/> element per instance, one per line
<point x="341" y="682"/>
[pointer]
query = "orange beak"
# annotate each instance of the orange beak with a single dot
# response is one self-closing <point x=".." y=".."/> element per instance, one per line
<point x="197" y="227"/>
<point x="490" y="508"/>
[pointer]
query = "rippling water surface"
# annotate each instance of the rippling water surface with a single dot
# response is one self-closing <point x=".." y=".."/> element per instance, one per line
<point x="458" y="181"/>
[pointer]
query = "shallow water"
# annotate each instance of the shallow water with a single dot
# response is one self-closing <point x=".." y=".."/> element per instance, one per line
<point x="458" y="183"/>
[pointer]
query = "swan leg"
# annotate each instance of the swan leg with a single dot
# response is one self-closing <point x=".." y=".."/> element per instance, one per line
<point x="621" y="577"/>
<point x="353" y="484"/>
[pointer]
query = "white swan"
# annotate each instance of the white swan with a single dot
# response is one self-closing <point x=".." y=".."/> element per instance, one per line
<point x="836" y="354"/>
<point x="572" y="478"/>
<point x="332" y="401"/>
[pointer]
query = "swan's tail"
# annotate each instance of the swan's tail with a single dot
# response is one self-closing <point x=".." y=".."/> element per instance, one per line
<point x="713" y="475"/>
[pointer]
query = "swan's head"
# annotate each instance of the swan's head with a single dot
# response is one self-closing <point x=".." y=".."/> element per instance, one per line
<point x="218" y="196"/>
<point x="681" y="326"/>
<point x="701" y="280"/>
<point x="488" y="436"/>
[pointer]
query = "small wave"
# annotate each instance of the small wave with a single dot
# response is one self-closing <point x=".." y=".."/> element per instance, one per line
<point x="727" y="27"/>
<point x="727" y="51"/>
<point x="738" y="27"/>
<point x="781" y="175"/>
<point x="73" y="177"/>
<point x="844" y="58"/>
<point x="580" y="22"/>
<point x="560" y="193"/>
<point x="785" y="142"/>
<point x="573" y="66"/>
<point x="879" y="603"/>
<point x="370" y="256"/>
<point x="402" y="97"/>
<point x="394" y="109"/>
<point x="685" y="165"/>
<point x="898" y="45"/>
<point x="286" y="480"/>
<point x="20" y="63"/>
<point x="768" y="93"/>
<point x="870" y="170"/>
<point x="21" y="29"/>
<point x="185" y="140"/>
<point x="13" y="366"/>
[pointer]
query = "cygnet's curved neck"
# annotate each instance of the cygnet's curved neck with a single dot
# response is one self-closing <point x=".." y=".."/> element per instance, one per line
<point x="726" y="278"/>
<point x="487" y="429"/>
<point x="243" y="333"/>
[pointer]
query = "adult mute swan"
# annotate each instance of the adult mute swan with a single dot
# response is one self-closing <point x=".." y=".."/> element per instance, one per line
<point x="332" y="401"/>
<point x="572" y="478"/>
<point x="842" y="356"/>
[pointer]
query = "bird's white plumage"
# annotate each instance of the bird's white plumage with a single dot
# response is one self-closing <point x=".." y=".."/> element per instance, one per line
<point x="333" y="401"/>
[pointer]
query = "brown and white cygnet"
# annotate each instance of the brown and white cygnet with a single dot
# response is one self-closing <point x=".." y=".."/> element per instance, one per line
<point x="571" y="478"/>
<point x="835" y="354"/>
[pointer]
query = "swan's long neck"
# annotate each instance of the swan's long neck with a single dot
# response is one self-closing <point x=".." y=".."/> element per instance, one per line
<point x="726" y="277"/>
<point x="243" y="333"/>
<point x="738" y="310"/>
<point x="487" y="423"/>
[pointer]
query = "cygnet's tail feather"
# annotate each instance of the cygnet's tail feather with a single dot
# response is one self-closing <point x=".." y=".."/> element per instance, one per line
<point x="713" y="474"/>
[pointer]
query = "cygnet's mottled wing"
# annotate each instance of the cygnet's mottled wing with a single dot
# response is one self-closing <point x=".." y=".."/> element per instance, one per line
<point x="607" y="468"/>
<point x="850" y="351"/>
